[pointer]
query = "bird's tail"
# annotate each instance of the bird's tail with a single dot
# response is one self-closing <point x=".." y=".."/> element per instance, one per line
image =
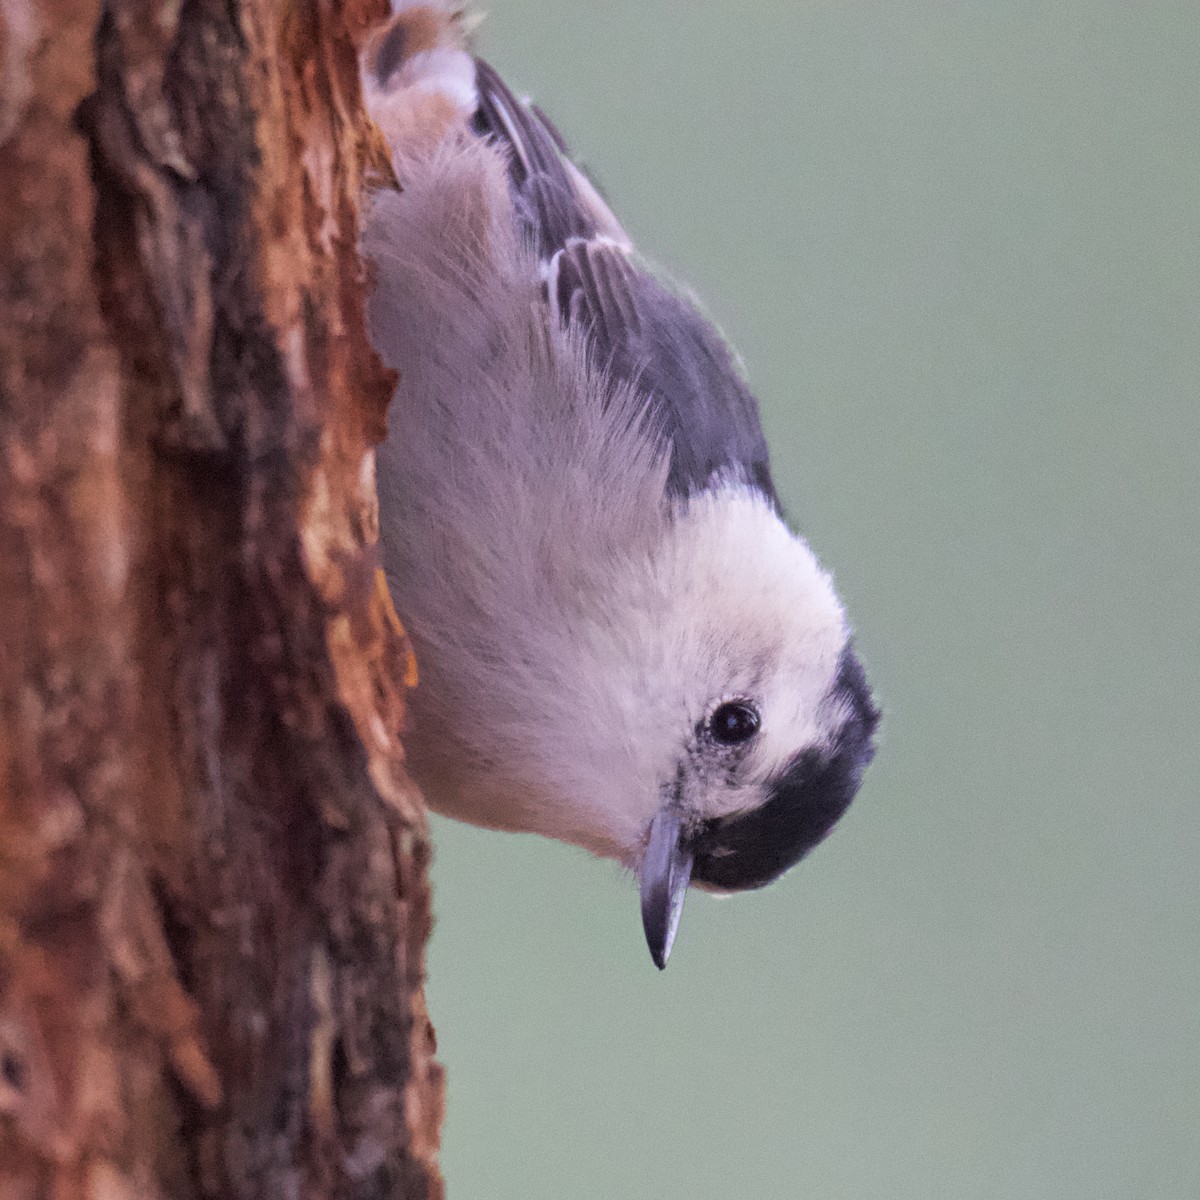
<point x="423" y="87"/>
<point x="419" y="76"/>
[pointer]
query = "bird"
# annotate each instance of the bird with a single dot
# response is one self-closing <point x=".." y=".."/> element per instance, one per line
<point x="622" y="642"/>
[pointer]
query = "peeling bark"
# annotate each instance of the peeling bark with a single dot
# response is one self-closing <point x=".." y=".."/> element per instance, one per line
<point x="213" y="889"/>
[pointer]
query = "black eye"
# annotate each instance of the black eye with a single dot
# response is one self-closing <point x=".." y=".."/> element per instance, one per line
<point x="733" y="723"/>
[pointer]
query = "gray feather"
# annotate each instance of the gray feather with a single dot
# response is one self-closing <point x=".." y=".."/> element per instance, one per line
<point x="638" y="330"/>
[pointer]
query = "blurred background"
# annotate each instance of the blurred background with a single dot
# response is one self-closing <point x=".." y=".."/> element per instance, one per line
<point x="958" y="247"/>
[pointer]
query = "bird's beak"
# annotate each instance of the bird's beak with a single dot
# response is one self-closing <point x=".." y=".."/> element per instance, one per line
<point x="665" y="873"/>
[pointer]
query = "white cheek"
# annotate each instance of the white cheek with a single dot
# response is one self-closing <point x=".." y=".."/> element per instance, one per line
<point x="796" y="715"/>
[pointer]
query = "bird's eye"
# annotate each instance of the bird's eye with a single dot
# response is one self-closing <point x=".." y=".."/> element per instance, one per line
<point x="733" y="723"/>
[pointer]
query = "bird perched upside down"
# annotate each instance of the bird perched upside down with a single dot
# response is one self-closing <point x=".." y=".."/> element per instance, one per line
<point x="621" y="642"/>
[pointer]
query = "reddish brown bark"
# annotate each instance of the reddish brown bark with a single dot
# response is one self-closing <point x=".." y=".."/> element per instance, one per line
<point x="213" y="891"/>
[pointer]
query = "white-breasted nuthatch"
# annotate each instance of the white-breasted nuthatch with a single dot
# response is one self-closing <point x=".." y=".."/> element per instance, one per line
<point x="621" y="643"/>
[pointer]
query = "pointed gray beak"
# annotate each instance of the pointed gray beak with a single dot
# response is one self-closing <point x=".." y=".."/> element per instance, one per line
<point x="665" y="873"/>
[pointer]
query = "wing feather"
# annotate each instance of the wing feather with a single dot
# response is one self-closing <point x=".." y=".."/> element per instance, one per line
<point x="639" y="329"/>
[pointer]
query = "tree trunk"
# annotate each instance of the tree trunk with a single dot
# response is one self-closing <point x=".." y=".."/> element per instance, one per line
<point x="213" y="889"/>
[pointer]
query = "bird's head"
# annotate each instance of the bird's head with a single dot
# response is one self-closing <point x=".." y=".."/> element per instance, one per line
<point x="749" y="719"/>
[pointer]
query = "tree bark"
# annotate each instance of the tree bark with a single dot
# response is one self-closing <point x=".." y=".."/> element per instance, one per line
<point x="213" y="889"/>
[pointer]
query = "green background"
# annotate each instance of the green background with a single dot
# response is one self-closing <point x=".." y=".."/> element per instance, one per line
<point x="957" y="247"/>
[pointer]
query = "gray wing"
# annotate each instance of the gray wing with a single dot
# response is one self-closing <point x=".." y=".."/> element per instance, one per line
<point x="639" y="329"/>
